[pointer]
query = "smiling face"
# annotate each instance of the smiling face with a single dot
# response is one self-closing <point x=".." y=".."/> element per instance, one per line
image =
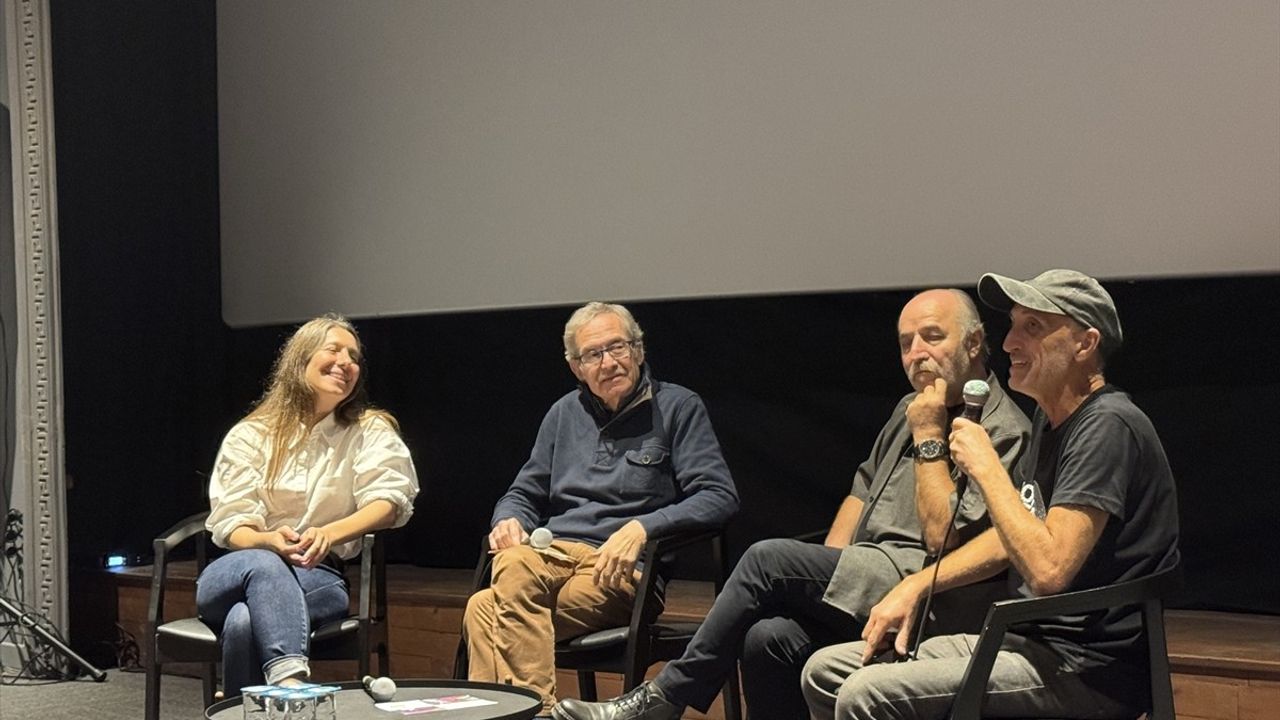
<point x="932" y="342"/>
<point x="333" y="370"/>
<point x="612" y="379"/>
<point x="1043" y="349"/>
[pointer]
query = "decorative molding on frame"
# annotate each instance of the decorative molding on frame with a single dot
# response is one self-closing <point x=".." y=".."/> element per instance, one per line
<point x="39" y="466"/>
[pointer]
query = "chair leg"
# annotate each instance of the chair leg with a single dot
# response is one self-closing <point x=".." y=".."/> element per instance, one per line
<point x="587" y="685"/>
<point x="152" y="693"/>
<point x="460" y="661"/>
<point x="362" y="663"/>
<point x="633" y="675"/>
<point x="733" y="697"/>
<point x="209" y="682"/>
<point x="384" y="659"/>
<point x="1161" y="684"/>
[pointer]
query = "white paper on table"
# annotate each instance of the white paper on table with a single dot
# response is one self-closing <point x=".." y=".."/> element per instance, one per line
<point x="430" y="705"/>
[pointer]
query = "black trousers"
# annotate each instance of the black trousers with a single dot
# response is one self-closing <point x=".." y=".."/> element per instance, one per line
<point x="770" y="614"/>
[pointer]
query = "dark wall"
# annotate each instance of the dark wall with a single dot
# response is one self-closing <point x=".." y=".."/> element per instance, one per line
<point x="797" y="386"/>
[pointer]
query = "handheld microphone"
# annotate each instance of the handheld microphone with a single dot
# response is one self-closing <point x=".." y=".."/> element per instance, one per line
<point x="976" y="393"/>
<point x="381" y="689"/>
<point x="540" y="539"/>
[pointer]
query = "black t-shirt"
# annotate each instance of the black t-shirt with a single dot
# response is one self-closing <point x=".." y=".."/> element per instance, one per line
<point x="1106" y="455"/>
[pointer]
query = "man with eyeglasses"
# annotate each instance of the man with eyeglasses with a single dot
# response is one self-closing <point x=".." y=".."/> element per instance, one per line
<point x="786" y="598"/>
<point x="623" y="458"/>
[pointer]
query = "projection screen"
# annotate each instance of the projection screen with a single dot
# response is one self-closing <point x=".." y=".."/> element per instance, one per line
<point x="390" y="158"/>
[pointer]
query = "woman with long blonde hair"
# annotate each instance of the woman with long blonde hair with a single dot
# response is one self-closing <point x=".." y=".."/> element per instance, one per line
<point x="296" y="483"/>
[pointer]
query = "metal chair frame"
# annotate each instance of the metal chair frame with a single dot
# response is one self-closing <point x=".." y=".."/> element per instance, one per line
<point x="1146" y="591"/>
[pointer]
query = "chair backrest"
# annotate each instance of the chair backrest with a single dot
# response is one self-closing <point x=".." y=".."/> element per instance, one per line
<point x="186" y="529"/>
<point x="1147" y="592"/>
<point x="372" y="599"/>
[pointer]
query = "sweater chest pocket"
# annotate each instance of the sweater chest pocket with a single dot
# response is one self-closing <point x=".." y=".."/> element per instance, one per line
<point x="647" y="469"/>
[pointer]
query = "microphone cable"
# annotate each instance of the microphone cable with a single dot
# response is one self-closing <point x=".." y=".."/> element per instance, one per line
<point x="975" y="394"/>
<point x="961" y="487"/>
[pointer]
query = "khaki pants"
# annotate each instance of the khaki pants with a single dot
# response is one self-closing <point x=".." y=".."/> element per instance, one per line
<point x="533" y="601"/>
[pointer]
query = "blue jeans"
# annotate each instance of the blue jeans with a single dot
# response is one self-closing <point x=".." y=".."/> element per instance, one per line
<point x="263" y="609"/>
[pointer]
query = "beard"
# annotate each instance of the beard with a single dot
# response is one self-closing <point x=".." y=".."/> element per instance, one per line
<point x="955" y="373"/>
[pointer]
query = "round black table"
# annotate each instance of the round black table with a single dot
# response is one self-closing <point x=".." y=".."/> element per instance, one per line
<point x="353" y="703"/>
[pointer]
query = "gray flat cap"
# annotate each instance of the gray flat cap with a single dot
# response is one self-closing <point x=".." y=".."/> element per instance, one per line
<point x="1061" y="292"/>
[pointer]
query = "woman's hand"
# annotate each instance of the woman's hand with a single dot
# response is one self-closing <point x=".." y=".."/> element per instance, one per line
<point x="312" y="547"/>
<point x="282" y="541"/>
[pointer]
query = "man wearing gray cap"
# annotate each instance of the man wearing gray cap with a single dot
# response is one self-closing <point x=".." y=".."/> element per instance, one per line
<point x="1091" y="504"/>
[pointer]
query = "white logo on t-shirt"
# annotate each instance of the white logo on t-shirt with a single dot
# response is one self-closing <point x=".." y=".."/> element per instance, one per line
<point x="1032" y="500"/>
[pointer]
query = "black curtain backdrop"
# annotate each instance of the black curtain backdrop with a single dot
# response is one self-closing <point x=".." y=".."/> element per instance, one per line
<point x="797" y="386"/>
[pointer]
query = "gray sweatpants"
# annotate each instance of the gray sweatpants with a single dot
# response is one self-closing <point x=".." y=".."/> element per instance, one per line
<point x="1027" y="680"/>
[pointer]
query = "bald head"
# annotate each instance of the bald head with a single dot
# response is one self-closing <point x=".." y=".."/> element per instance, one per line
<point x="940" y="335"/>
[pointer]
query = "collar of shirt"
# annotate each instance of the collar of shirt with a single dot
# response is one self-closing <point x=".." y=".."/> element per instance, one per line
<point x="327" y="430"/>
<point x="641" y="393"/>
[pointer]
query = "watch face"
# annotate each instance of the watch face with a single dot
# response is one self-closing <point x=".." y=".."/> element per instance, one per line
<point x="931" y="450"/>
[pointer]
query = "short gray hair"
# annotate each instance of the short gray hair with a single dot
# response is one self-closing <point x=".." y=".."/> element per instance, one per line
<point x="591" y="311"/>
<point x="971" y="321"/>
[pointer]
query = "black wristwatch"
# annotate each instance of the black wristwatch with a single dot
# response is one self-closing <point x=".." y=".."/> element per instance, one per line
<point x="930" y="450"/>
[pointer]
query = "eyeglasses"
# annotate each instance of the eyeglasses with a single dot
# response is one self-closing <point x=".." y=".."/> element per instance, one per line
<point x="620" y="350"/>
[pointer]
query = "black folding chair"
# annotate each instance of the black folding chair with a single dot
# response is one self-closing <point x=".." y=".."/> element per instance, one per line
<point x="1148" y="592"/>
<point x="190" y="640"/>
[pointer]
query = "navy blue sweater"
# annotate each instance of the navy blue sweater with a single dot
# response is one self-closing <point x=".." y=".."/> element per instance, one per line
<point x="656" y="461"/>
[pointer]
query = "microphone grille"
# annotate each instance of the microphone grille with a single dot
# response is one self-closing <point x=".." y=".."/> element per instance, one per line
<point x="976" y="392"/>
<point x="540" y="538"/>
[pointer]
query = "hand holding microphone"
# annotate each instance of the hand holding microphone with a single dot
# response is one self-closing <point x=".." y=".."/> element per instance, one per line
<point x="381" y="689"/>
<point x="976" y="393"/>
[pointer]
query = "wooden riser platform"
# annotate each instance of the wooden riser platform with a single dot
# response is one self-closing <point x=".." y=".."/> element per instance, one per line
<point x="1225" y="666"/>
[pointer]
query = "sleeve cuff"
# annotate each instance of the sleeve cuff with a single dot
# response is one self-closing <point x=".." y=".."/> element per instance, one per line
<point x="401" y="501"/>
<point x="222" y="530"/>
